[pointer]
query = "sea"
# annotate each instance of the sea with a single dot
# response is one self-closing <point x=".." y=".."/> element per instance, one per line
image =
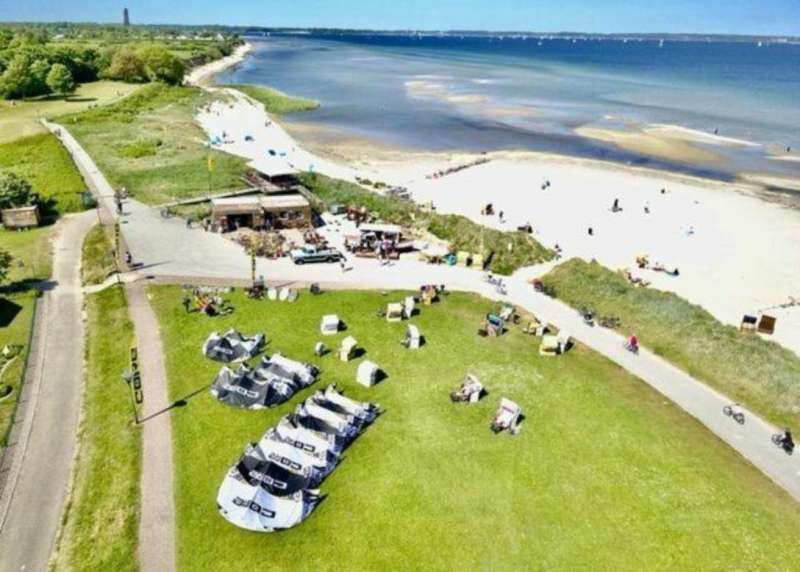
<point x="451" y="92"/>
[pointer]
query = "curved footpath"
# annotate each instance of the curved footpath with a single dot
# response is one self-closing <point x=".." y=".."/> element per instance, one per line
<point x="166" y="249"/>
<point x="157" y="518"/>
<point x="43" y="439"/>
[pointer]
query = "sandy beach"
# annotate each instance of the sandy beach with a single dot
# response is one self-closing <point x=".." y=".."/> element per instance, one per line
<point x="720" y="236"/>
<point x="202" y="75"/>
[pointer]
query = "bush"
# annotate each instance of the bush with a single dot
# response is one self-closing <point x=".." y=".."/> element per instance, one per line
<point x="15" y="191"/>
<point x="5" y="390"/>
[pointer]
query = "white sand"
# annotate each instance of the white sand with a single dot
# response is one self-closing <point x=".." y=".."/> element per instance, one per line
<point x="742" y="257"/>
<point x="205" y="72"/>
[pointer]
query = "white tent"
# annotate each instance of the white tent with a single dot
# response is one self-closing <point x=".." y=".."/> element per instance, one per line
<point x="367" y="373"/>
<point x="330" y="325"/>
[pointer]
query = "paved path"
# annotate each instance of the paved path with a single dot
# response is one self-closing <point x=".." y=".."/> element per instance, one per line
<point x="157" y="524"/>
<point x="157" y="521"/>
<point x="43" y="445"/>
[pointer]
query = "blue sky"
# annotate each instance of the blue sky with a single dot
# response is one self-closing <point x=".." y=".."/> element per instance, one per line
<point x="779" y="17"/>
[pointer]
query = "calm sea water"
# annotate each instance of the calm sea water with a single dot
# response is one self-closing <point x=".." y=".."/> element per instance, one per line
<point x="490" y="93"/>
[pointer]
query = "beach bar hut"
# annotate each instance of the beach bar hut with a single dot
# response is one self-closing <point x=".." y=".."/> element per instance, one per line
<point x="329" y="325"/>
<point x="347" y="350"/>
<point x="367" y="373"/>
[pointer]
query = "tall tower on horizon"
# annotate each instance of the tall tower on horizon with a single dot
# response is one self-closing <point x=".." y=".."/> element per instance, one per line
<point x="126" y="20"/>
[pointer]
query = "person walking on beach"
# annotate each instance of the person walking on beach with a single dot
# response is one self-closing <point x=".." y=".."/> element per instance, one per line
<point x="500" y="216"/>
<point x="591" y="231"/>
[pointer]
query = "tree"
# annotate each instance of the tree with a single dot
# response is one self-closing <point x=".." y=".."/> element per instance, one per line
<point x="161" y="65"/>
<point x="5" y="265"/>
<point x="38" y="77"/>
<point x="15" y="191"/>
<point x="16" y="80"/>
<point x="59" y="80"/>
<point x="126" y="66"/>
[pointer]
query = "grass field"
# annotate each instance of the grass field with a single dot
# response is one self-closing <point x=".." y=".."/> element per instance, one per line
<point x="605" y="474"/>
<point x="98" y="261"/>
<point x="16" y="320"/>
<point x="32" y="262"/>
<point x="460" y="232"/>
<point x="100" y="530"/>
<point x="753" y="371"/>
<point x="48" y="166"/>
<point x="150" y="144"/>
<point x="21" y="118"/>
<point x="275" y="101"/>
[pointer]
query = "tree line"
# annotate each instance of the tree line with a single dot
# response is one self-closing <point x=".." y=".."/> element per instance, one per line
<point x="32" y="64"/>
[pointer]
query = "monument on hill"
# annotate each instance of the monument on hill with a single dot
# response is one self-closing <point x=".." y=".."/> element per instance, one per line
<point x="126" y="19"/>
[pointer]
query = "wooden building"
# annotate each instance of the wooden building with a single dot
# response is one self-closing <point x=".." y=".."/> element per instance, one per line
<point x="21" y="217"/>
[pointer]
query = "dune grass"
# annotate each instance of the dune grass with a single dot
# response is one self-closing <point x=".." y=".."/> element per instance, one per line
<point x="604" y="475"/>
<point x="460" y="232"/>
<point x="98" y="259"/>
<point x="21" y="118"/>
<point x="150" y="144"/>
<point x="100" y="528"/>
<point x="275" y="101"/>
<point x="48" y="166"/>
<point x="756" y="372"/>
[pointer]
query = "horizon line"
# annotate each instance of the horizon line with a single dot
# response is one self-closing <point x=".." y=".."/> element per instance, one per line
<point x="398" y="30"/>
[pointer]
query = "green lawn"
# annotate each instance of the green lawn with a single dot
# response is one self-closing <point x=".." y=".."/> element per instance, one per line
<point x="460" y="232"/>
<point x="150" y="144"/>
<point x="16" y="320"/>
<point x="48" y="166"/>
<point x="753" y="371"/>
<point x="275" y="101"/>
<point x="98" y="260"/>
<point x="605" y="474"/>
<point x="21" y="118"/>
<point x="100" y="529"/>
<point x="32" y="262"/>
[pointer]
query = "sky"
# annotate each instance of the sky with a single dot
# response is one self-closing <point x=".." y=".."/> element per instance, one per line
<point x="766" y="17"/>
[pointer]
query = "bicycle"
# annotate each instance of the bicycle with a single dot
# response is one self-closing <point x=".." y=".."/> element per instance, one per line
<point x="734" y="412"/>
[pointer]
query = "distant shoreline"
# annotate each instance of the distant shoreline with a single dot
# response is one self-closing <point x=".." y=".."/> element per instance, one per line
<point x="203" y="75"/>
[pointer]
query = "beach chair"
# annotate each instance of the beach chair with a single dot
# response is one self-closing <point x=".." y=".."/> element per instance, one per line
<point x="748" y="324"/>
<point x="394" y="313"/>
<point x="347" y="350"/>
<point x="330" y="325"/>
<point x="766" y="324"/>
<point x="367" y="373"/>
<point x="408" y="307"/>
<point x="412" y="339"/>
<point x="470" y="391"/>
<point x="550" y="345"/>
<point x="507" y="417"/>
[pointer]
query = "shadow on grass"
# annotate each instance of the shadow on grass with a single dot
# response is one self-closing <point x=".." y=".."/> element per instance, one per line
<point x="182" y="402"/>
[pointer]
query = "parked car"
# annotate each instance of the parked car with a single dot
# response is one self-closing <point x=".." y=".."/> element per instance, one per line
<point x="313" y="254"/>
